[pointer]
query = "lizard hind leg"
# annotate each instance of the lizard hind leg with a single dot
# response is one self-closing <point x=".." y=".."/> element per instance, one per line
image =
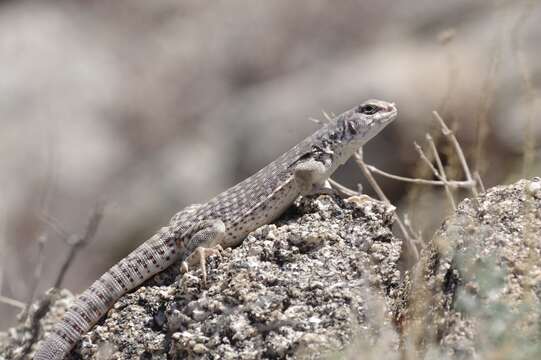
<point x="203" y="241"/>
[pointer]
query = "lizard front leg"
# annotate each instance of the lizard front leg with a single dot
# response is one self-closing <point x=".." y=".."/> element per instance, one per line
<point x="197" y="242"/>
<point x="312" y="176"/>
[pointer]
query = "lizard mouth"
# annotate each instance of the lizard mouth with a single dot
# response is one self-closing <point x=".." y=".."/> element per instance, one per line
<point x="391" y="108"/>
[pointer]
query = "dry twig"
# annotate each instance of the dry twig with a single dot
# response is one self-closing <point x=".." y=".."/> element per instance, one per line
<point x="479" y="181"/>
<point x="441" y="170"/>
<point x="439" y="173"/>
<point x="77" y="242"/>
<point x="42" y="239"/>
<point x="450" y="135"/>
<point x="12" y="302"/>
<point x="451" y="183"/>
<point x="409" y="241"/>
<point x="342" y="190"/>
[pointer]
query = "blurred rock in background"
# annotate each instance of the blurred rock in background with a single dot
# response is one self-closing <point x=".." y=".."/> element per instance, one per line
<point x="151" y="106"/>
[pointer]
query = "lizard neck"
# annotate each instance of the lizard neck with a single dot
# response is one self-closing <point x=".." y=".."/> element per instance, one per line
<point x="342" y="153"/>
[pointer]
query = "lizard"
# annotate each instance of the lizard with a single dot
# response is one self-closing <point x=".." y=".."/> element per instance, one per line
<point x="225" y="220"/>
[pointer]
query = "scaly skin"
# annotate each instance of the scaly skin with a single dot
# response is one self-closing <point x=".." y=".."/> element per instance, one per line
<point x="225" y="219"/>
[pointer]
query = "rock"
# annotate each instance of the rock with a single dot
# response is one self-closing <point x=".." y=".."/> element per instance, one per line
<point x="325" y="279"/>
<point x="477" y="289"/>
<point x="311" y="284"/>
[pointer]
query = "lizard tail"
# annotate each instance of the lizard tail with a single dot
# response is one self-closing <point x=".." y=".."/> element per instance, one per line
<point x="153" y="256"/>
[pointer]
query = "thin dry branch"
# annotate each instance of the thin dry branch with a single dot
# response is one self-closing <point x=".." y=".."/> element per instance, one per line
<point x="441" y="170"/>
<point x="451" y="183"/>
<point x="440" y="174"/>
<point x="46" y="191"/>
<point x="75" y="246"/>
<point x="410" y="244"/>
<point x="479" y="181"/>
<point x="38" y="270"/>
<point x="55" y="226"/>
<point x="450" y="135"/>
<point x="42" y="239"/>
<point x="80" y="242"/>
<point x="342" y="190"/>
<point x="360" y="161"/>
<point x="12" y="302"/>
<point x="427" y="161"/>
<point x="34" y="317"/>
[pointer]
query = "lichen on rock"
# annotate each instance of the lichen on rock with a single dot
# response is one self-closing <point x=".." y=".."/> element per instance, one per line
<point x="477" y="289"/>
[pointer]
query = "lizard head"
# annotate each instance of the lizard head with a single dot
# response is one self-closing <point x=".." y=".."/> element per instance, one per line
<point x="363" y="122"/>
<point x="343" y="135"/>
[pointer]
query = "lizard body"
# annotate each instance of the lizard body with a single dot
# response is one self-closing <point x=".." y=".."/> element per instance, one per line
<point x="226" y="219"/>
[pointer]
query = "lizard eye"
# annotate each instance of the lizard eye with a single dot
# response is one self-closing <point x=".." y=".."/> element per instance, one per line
<point x="368" y="109"/>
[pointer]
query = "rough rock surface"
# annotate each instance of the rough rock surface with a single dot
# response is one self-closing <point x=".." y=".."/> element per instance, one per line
<point x="321" y="278"/>
<point x="325" y="278"/>
<point x="477" y="289"/>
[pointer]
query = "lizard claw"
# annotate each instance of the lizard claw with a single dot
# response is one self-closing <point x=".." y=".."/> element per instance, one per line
<point x="184" y="267"/>
<point x="200" y="255"/>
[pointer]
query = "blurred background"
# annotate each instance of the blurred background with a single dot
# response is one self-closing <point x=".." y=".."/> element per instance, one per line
<point x="154" y="105"/>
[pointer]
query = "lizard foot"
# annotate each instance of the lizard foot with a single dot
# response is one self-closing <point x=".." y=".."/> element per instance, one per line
<point x="200" y="256"/>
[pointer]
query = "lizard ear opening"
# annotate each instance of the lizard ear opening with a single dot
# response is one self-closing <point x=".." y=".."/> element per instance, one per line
<point x="351" y="128"/>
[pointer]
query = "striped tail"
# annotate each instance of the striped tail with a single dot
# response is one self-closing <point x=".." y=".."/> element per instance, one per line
<point x="153" y="256"/>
